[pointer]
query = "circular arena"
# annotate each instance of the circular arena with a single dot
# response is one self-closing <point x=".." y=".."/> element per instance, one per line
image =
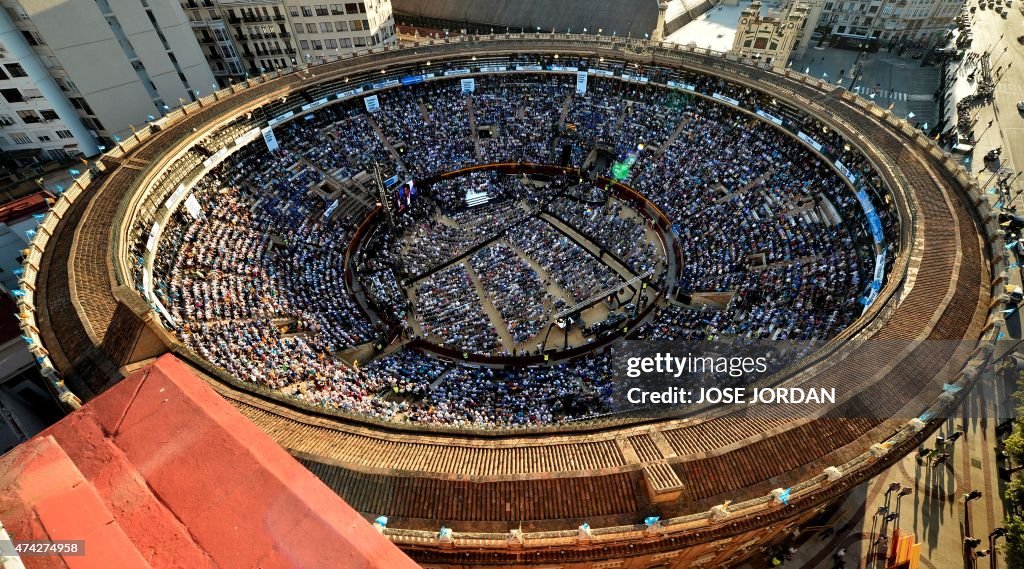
<point x="412" y="268"/>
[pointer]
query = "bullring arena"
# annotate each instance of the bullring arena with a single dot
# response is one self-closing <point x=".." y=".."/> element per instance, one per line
<point x="413" y="282"/>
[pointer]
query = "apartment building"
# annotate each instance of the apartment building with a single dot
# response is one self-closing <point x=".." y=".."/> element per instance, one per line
<point x="37" y="121"/>
<point x="242" y="37"/>
<point x="888" y="21"/>
<point x="119" y="63"/>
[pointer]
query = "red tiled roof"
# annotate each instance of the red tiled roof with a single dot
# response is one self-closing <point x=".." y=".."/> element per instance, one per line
<point x="159" y="471"/>
<point x="23" y="207"/>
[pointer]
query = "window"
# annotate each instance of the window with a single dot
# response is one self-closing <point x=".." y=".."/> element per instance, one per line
<point x="15" y="70"/>
<point x="326" y="27"/>
<point x="351" y="8"/>
<point x="341" y="26"/>
<point x="311" y="28"/>
<point x="31" y="38"/>
<point x="366" y="25"/>
<point x="49" y="115"/>
<point x="300" y="29"/>
<point x="336" y="9"/>
<point x="64" y="134"/>
<point x="21" y="138"/>
<point x="357" y="25"/>
<point x="360" y="41"/>
<point x="6" y="120"/>
<point x="331" y="44"/>
<point x="362" y="8"/>
<point x="3" y="75"/>
<point x="321" y="9"/>
<point x="303" y="45"/>
<point x="94" y="124"/>
<point x="44" y="138"/>
<point x="318" y="45"/>
<point x="293" y="10"/>
<point x="345" y="42"/>
<point x="12" y="95"/>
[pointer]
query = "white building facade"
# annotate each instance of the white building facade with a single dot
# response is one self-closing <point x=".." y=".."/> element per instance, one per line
<point x="242" y="37"/>
<point x="888" y="21"/>
<point x="35" y="114"/>
<point x="119" y="62"/>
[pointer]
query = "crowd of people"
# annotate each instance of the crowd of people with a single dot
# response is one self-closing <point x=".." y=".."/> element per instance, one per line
<point x="570" y="267"/>
<point x="615" y="227"/>
<point x="256" y="282"/>
<point x="448" y="310"/>
<point x="515" y="289"/>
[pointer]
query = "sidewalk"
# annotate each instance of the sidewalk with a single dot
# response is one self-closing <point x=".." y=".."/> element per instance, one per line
<point x="883" y="77"/>
<point x="934" y="511"/>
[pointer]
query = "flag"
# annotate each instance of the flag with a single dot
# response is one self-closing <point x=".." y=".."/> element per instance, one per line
<point x="784" y="496"/>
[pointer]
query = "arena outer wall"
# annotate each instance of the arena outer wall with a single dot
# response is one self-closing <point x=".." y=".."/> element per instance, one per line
<point x="517" y="498"/>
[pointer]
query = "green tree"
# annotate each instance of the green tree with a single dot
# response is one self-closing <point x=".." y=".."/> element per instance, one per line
<point x="1014" y="541"/>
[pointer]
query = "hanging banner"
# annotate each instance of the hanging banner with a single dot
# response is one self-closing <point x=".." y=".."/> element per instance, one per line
<point x="772" y="118"/>
<point x="331" y="208"/>
<point x="314" y="104"/>
<point x="814" y="143"/>
<point x="281" y="118"/>
<point x="722" y="97"/>
<point x="581" y="82"/>
<point x="846" y="172"/>
<point x="349" y="93"/>
<point x="468" y="85"/>
<point x="192" y="207"/>
<point x="269" y="138"/>
<point x="372" y="103"/>
<point x="154" y="236"/>
<point x="248" y="137"/>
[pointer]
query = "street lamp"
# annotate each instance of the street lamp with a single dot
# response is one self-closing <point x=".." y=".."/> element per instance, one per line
<point x="992" y="537"/>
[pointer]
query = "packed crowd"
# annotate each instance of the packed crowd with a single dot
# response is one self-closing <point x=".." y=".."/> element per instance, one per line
<point x="515" y="289"/>
<point x="448" y="309"/>
<point x="615" y="227"/>
<point x="255" y="284"/>
<point x="572" y="268"/>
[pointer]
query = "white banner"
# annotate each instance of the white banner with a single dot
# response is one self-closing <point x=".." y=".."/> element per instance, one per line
<point x="281" y="118"/>
<point x="722" y="97"/>
<point x="247" y="137"/>
<point x="269" y="138"/>
<point x="192" y="207"/>
<point x="814" y="143"/>
<point x="176" y="197"/>
<point x="331" y="208"/>
<point x="581" y="82"/>
<point x="468" y="85"/>
<point x="154" y="235"/>
<point x="372" y="103"/>
<point x="314" y="104"/>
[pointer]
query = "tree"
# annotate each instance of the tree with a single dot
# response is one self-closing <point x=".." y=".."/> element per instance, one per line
<point x="1014" y="541"/>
